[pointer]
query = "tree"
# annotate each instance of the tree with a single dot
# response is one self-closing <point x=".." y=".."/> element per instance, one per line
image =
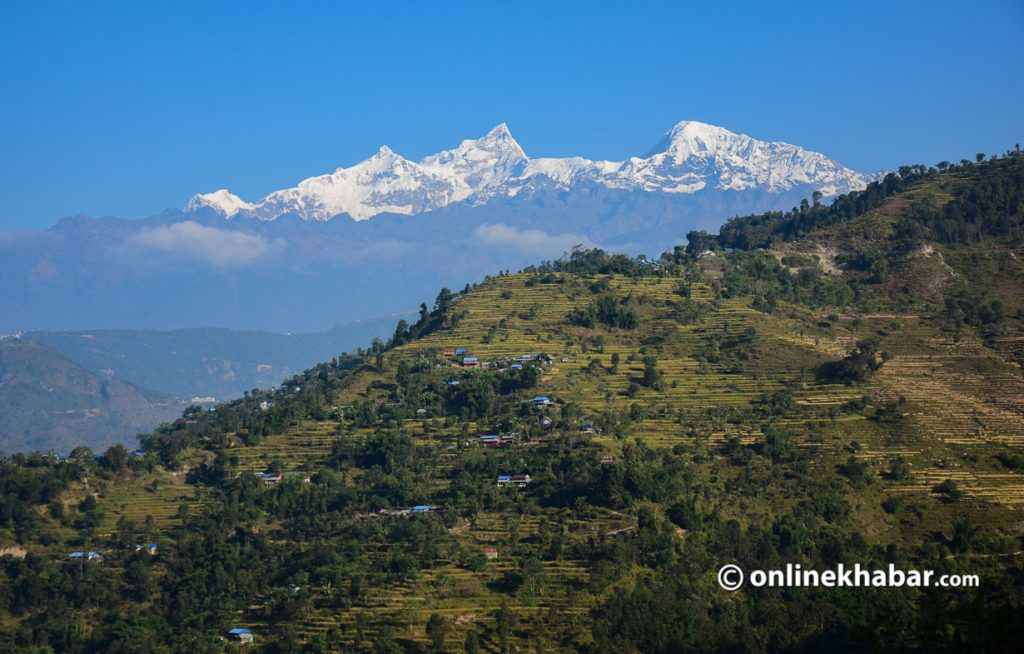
<point x="505" y="620"/>
<point x="699" y="241"/>
<point x="858" y="366"/>
<point x="652" y="376"/>
<point x="437" y="630"/>
<point x="443" y="301"/>
<point x="778" y="442"/>
<point x="950" y="489"/>
<point x="401" y="332"/>
<point x="472" y="645"/>
<point x="115" y="458"/>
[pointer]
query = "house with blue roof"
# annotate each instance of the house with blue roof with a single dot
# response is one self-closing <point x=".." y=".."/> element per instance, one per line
<point x="271" y="478"/>
<point x="85" y="556"/>
<point x="240" y="635"/>
<point x="518" y="480"/>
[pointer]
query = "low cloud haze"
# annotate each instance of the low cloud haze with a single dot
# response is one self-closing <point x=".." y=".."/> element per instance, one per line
<point x="220" y="248"/>
<point x="531" y="240"/>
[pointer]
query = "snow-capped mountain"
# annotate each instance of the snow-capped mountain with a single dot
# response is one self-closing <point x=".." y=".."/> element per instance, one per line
<point x="695" y="157"/>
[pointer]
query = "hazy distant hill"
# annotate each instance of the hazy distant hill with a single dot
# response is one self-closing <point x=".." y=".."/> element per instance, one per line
<point x="49" y="402"/>
<point x="221" y="363"/>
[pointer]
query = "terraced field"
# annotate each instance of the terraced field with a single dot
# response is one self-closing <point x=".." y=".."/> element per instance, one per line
<point x="157" y="502"/>
<point x="952" y="416"/>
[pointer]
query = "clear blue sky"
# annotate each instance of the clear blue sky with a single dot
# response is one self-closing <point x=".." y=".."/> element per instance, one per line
<point x="129" y="108"/>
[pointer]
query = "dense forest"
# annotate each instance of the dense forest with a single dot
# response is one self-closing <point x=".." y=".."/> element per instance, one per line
<point x="561" y="459"/>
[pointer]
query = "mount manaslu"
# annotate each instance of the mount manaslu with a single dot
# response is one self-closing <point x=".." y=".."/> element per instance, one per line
<point x="385" y="234"/>
<point x="696" y="156"/>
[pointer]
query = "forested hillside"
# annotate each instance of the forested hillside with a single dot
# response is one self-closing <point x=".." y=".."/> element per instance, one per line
<point x="561" y="459"/>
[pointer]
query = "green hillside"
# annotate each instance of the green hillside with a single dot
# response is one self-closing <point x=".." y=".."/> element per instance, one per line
<point x="831" y="385"/>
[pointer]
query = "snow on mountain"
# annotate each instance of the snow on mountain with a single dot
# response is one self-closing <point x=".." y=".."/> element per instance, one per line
<point x="481" y="166"/>
<point x="695" y="156"/>
<point x="223" y="201"/>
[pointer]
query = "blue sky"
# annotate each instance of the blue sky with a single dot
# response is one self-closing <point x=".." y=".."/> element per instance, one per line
<point x="129" y="108"/>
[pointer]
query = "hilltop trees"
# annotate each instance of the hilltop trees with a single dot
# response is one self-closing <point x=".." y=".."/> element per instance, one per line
<point x="991" y="206"/>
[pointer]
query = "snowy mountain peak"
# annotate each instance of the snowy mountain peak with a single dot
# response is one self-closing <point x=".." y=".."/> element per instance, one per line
<point x="692" y="137"/>
<point x="693" y="157"/>
<point x="697" y="129"/>
<point x="499" y="131"/>
<point x="497" y="142"/>
<point x="223" y="201"/>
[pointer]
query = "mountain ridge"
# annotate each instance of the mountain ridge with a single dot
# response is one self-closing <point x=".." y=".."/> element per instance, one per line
<point x="695" y="156"/>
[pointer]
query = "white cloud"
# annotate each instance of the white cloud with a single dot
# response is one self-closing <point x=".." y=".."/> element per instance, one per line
<point x="532" y="240"/>
<point x="221" y="248"/>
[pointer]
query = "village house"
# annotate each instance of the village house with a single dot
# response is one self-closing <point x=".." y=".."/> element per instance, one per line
<point x="449" y="352"/>
<point x="519" y="481"/>
<point x="490" y="440"/>
<point x="239" y="635"/>
<point x="491" y="553"/>
<point x="271" y="478"/>
<point x="85" y="556"/>
<point x="470" y="362"/>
